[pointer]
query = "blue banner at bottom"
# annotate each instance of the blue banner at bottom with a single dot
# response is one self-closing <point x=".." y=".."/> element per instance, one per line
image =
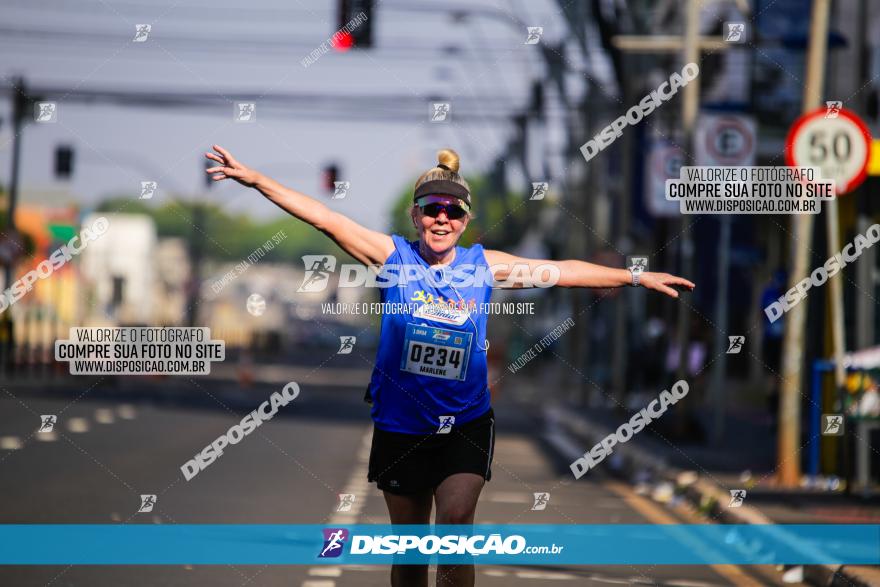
<point x="382" y="544"/>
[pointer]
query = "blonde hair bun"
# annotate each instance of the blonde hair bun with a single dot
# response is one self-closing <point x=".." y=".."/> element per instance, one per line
<point x="448" y="158"/>
<point x="443" y="177"/>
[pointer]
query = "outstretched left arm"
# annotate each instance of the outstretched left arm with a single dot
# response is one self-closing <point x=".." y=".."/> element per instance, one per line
<point x="574" y="273"/>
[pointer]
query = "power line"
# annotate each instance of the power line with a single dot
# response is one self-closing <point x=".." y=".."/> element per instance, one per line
<point x="310" y="105"/>
<point x="230" y="45"/>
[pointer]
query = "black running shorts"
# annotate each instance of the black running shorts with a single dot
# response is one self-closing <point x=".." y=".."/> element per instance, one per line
<point x="410" y="463"/>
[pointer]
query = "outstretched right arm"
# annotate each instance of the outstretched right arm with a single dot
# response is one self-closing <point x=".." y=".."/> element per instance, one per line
<point x="367" y="246"/>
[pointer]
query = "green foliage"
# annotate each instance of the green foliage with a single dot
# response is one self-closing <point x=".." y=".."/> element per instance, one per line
<point x="228" y="237"/>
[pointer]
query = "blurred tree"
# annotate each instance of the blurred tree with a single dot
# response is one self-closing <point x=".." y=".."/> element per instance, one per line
<point x="229" y="237"/>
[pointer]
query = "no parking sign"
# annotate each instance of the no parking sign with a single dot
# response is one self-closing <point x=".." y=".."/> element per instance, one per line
<point x="725" y="140"/>
<point x="663" y="162"/>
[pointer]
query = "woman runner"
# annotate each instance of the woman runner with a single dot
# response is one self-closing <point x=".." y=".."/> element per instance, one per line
<point x="433" y="425"/>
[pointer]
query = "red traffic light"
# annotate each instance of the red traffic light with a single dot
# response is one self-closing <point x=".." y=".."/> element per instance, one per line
<point x="342" y="42"/>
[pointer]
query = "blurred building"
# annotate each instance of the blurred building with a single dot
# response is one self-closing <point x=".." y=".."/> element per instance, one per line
<point x="289" y="319"/>
<point x="47" y="221"/>
<point x="173" y="270"/>
<point x="119" y="269"/>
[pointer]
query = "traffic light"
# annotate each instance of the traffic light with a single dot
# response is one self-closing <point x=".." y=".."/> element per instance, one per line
<point x="354" y="28"/>
<point x="63" y="161"/>
<point x="331" y="173"/>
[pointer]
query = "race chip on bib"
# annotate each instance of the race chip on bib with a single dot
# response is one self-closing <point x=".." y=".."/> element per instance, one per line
<point x="436" y="352"/>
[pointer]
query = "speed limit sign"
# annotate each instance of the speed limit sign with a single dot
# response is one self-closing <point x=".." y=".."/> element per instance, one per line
<point x="833" y="139"/>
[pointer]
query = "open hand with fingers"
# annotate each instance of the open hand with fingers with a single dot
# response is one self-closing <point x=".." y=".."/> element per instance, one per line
<point x="230" y="168"/>
<point x="665" y="283"/>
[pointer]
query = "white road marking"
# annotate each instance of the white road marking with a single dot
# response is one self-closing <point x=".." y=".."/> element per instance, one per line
<point x="641" y="581"/>
<point x="508" y="497"/>
<point x="325" y="571"/>
<point x="104" y="416"/>
<point x="10" y="443"/>
<point x="126" y="411"/>
<point x="358" y="486"/>
<point x="78" y="425"/>
<point x="598" y="579"/>
<point x="47" y="436"/>
<point x="546" y="575"/>
<point x="495" y="572"/>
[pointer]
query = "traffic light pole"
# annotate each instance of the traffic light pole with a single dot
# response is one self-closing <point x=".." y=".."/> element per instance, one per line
<point x="7" y="327"/>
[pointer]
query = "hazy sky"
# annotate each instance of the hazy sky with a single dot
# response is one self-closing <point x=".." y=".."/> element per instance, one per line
<point x="227" y="50"/>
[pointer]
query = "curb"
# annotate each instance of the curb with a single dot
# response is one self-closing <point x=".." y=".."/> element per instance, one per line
<point x="571" y="435"/>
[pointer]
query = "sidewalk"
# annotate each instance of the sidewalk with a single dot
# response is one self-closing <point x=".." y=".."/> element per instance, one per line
<point x="704" y="475"/>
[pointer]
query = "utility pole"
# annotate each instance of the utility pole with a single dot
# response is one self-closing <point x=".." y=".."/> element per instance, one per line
<point x="788" y="462"/>
<point x="719" y="369"/>
<point x="865" y="310"/>
<point x="691" y="45"/>
<point x="690" y="106"/>
<point x="20" y="103"/>
<point x="621" y="313"/>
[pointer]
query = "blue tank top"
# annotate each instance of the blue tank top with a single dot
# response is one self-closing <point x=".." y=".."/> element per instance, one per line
<point x="430" y="371"/>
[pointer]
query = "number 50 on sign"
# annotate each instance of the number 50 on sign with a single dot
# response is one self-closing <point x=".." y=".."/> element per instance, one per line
<point x="839" y="146"/>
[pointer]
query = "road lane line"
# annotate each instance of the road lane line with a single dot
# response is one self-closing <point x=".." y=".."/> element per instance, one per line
<point x="126" y="412"/>
<point x="104" y="416"/>
<point x="10" y="443"/>
<point x="545" y="575"/>
<point x="358" y="486"/>
<point x="325" y="571"/>
<point x="51" y="436"/>
<point x="78" y="425"/>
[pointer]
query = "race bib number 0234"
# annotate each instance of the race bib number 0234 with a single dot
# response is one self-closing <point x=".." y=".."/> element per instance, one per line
<point x="436" y="352"/>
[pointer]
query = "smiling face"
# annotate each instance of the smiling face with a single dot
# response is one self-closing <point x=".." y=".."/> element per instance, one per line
<point x="440" y="234"/>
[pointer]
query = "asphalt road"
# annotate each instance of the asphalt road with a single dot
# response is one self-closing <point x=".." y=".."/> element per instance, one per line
<point x="106" y="453"/>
